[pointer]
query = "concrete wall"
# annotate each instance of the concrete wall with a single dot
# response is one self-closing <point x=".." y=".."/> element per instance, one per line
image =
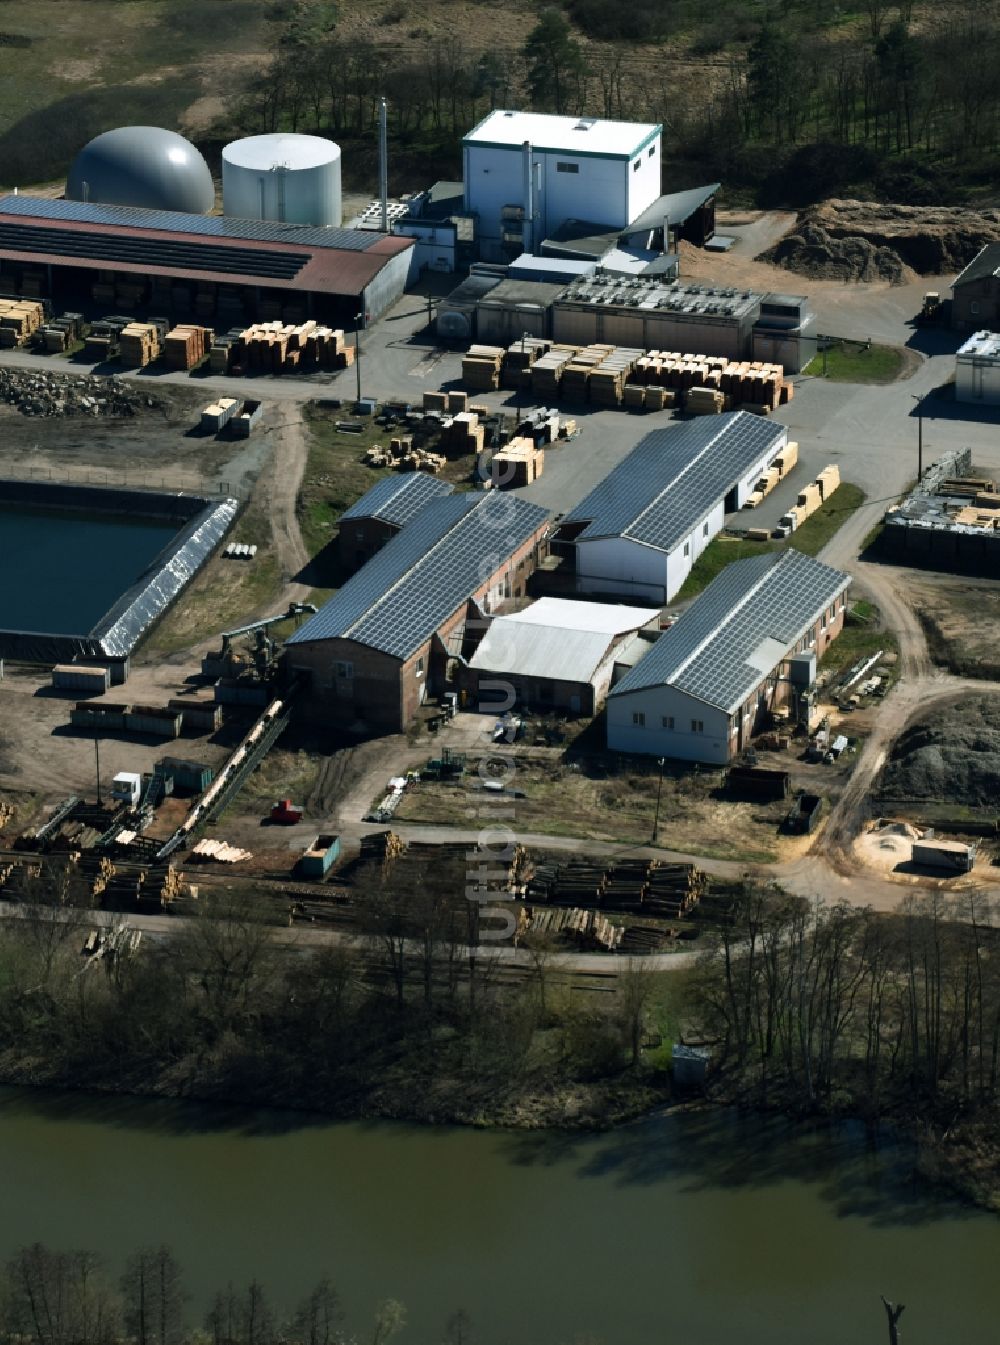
<point x="387" y="286"/>
<point x="658" y="329"/>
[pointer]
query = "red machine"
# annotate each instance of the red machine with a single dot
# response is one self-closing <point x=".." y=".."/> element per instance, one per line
<point x="286" y="813"/>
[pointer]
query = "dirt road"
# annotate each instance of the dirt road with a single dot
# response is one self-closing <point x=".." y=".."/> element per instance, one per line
<point x="280" y="484"/>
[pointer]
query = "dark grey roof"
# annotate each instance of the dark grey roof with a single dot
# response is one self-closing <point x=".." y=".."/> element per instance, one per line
<point x="404" y="594"/>
<point x="673" y="478"/>
<point x="582" y="238"/>
<point x="678" y="206"/>
<point x="741" y="627"/>
<point x="398" y="499"/>
<point x="177" y="221"/>
<point x="985" y="264"/>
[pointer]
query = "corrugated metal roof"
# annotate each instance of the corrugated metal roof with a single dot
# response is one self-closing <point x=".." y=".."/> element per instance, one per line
<point x="562" y="640"/>
<point x="748" y="617"/>
<point x="410" y="588"/>
<point x="398" y="499"/>
<point x="677" y="207"/>
<point x="673" y="478"/>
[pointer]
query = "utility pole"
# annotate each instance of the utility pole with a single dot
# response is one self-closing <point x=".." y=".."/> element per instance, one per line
<point x="97" y="755"/>
<point x="357" y="349"/>
<point x="920" y="436"/>
<point x="659" y="790"/>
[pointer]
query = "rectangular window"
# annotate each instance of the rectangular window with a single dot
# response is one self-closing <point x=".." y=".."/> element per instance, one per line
<point x="652" y="151"/>
<point x="667" y="721"/>
<point x="687" y="548"/>
<point x="420" y="667"/>
<point x="697" y="726"/>
<point x="567" y="167"/>
<point x="345" y="670"/>
<point x="639" y="719"/>
<point x="635" y="166"/>
<point x="704" y="530"/>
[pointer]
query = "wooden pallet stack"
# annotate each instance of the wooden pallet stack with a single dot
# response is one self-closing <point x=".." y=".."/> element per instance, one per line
<point x="402" y="456"/>
<point x="481" y="368"/>
<point x="186" y="345"/>
<point x="139" y="344"/>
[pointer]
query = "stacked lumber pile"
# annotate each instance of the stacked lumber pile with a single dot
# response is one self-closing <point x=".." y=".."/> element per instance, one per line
<point x="777" y="471"/>
<point x="186" y="345"/>
<point x="705" y="402"/>
<point x="456" y="402"/>
<point x="637" y="397"/>
<point x="19" y="319"/>
<point x="607" y="381"/>
<point x="139" y="344"/>
<point x="401" y="456"/>
<point x="481" y="368"/>
<point x="220" y="851"/>
<point x="547" y="371"/>
<point x="586" y="928"/>
<point x="7" y="812"/>
<point x="519" y="359"/>
<point x="281" y="348"/>
<point x="463" y="433"/>
<point x="436" y="403"/>
<point x="517" y="464"/>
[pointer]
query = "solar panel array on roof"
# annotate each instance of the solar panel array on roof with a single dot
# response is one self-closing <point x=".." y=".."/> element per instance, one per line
<point x="673" y="478"/>
<point x="758" y="606"/>
<point x="398" y="499"/>
<point x="405" y="593"/>
<point x="183" y="255"/>
<point x="176" y="221"/>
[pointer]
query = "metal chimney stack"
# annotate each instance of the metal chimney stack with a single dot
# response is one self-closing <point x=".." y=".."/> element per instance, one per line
<point x="383" y="163"/>
<point x="528" y="228"/>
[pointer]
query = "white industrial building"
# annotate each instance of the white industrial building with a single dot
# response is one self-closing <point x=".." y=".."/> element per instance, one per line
<point x="557" y="654"/>
<point x="710" y="680"/>
<point x="639" y="532"/>
<point x="526" y="174"/>
<point x="977" y="370"/>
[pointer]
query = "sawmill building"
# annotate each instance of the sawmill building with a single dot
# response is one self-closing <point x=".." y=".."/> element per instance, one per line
<point x="382" y="512"/>
<point x="639" y="532"/>
<point x="223" y="271"/>
<point x="557" y="654"/>
<point x="396" y="632"/>
<point x="710" y="681"/>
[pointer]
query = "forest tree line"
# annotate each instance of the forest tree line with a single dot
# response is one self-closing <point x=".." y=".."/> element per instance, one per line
<point x="835" y="1008"/>
<point x="804" y="100"/>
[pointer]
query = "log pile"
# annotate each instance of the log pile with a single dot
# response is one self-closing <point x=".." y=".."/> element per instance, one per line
<point x="661" y="890"/>
<point x="381" y="848"/>
<point x="587" y="928"/>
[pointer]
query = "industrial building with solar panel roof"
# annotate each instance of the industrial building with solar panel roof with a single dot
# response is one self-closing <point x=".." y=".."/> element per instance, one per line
<point x="746" y="647"/>
<point x="397" y="631"/>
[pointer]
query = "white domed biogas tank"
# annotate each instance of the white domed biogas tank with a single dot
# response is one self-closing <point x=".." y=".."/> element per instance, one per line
<point x="292" y="179"/>
<point x="145" y="167"/>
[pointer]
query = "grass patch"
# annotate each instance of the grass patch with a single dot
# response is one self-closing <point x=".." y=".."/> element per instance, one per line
<point x="856" y="642"/>
<point x="855" y="362"/>
<point x="811" y="538"/>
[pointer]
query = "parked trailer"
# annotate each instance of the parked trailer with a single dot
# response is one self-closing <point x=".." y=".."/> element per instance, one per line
<point x="950" y="856"/>
<point x="73" y="677"/>
<point x="320" y="856"/>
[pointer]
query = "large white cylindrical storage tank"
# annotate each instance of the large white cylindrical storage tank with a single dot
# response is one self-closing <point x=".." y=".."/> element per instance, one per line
<point x="293" y="179"/>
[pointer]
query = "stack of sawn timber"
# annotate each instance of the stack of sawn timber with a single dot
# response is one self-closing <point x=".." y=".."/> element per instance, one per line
<point x="280" y="348"/>
<point x="139" y="344"/>
<point x="19" y="319"/>
<point x="186" y="345"/>
<point x="481" y="368"/>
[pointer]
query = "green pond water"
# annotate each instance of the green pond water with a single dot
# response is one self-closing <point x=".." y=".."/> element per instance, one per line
<point x="60" y="571"/>
<point x="697" y="1229"/>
